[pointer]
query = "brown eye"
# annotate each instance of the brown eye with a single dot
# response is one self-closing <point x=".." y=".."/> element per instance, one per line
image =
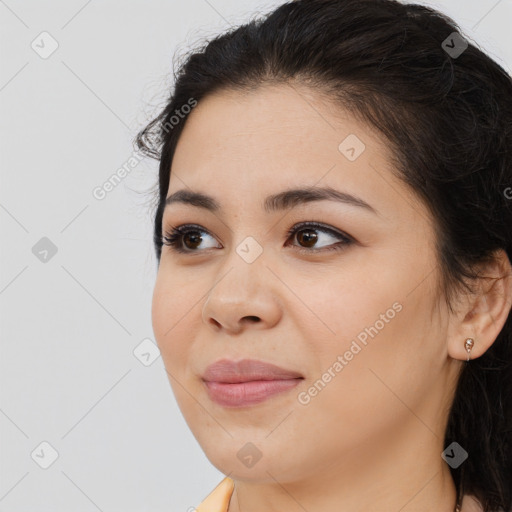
<point x="309" y="234"/>
<point x="188" y="238"/>
<point x="307" y="237"/>
<point x="192" y="239"/>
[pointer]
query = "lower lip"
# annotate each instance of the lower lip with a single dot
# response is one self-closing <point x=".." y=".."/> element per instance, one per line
<point x="242" y="394"/>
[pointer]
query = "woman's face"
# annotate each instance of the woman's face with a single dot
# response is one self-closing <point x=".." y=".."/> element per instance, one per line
<point x="357" y="320"/>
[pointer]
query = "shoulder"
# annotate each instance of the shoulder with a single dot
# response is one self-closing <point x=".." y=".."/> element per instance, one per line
<point x="218" y="499"/>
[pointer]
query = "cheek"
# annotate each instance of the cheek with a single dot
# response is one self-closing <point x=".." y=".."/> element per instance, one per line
<point x="172" y="317"/>
<point x="343" y="303"/>
<point x="366" y="311"/>
<point x="171" y="313"/>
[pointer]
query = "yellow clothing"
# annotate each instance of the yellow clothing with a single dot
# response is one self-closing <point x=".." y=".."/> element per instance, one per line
<point x="218" y="499"/>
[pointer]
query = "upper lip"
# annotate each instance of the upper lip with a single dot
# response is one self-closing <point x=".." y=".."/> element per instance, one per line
<point x="245" y="370"/>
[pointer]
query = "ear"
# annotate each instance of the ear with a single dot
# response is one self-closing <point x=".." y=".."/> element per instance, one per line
<point x="484" y="313"/>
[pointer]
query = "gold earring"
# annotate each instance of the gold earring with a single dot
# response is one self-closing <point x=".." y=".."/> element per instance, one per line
<point x="468" y="345"/>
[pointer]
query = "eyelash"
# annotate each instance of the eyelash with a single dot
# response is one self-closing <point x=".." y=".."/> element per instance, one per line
<point x="172" y="238"/>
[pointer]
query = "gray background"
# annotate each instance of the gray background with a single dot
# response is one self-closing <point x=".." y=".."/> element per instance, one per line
<point x="72" y="323"/>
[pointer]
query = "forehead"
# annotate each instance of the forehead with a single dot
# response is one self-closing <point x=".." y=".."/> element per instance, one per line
<point x="276" y="122"/>
<point x="258" y="142"/>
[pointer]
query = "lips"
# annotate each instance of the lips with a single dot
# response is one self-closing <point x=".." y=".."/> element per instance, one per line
<point x="246" y="370"/>
<point x="247" y="382"/>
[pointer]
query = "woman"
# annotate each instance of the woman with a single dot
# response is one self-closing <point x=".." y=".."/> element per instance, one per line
<point x="334" y="284"/>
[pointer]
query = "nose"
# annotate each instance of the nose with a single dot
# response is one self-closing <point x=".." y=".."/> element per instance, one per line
<point x="245" y="296"/>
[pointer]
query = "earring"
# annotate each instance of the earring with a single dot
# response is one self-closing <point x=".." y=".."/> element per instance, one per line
<point x="468" y="345"/>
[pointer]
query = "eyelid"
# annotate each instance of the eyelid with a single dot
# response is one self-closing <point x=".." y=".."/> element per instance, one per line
<point x="321" y="227"/>
<point x="171" y="237"/>
<point x="175" y="232"/>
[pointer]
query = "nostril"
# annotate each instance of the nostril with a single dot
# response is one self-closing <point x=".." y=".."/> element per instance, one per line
<point x="252" y="318"/>
<point x="214" y="322"/>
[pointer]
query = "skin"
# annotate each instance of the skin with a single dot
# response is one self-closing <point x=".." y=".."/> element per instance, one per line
<point x="371" y="440"/>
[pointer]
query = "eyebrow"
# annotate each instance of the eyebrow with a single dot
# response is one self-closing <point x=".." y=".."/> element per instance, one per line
<point x="285" y="200"/>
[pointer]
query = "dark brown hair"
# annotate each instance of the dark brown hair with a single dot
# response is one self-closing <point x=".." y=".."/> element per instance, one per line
<point x="448" y="119"/>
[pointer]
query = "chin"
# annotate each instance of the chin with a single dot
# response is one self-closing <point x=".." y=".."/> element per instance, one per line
<point x="241" y="459"/>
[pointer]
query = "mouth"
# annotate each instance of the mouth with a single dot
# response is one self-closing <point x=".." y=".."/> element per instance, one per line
<point x="247" y="382"/>
<point x="243" y="394"/>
